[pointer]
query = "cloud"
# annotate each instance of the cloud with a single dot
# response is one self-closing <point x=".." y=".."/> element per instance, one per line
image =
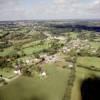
<point x="79" y="8"/>
<point x="49" y="9"/>
<point x="95" y="7"/>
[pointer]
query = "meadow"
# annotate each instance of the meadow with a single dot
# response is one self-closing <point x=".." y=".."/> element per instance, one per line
<point x="35" y="88"/>
<point x="89" y="61"/>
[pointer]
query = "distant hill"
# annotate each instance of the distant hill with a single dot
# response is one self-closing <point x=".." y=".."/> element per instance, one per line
<point x="90" y="25"/>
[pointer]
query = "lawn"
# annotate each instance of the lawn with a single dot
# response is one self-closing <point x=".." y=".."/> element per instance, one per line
<point x="35" y="88"/>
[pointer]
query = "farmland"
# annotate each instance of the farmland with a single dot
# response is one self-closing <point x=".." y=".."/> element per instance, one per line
<point x="47" y="60"/>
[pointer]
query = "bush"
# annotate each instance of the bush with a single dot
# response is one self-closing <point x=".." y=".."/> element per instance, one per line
<point x="4" y="62"/>
<point x="5" y="82"/>
<point x="36" y="55"/>
<point x="98" y="52"/>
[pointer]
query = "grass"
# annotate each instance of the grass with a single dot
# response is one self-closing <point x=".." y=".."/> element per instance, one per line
<point x="31" y="44"/>
<point x="35" y="49"/>
<point x="6" y="51"/>
<point x="97" y="39"/>
<point x="6" y="72"/>
<point x="25" y="88"/>
<point x="95" y="45"/>
<point x="89" y="61"/>
<point x="73" y="35"/>
<point x="81" y="74"/>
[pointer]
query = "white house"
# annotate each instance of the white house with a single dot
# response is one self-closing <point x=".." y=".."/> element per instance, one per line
<point x="70" y="65"/>
<point x="43" y="74"/>
<point x="27" y="61"/>
<point x="17" y="72"/>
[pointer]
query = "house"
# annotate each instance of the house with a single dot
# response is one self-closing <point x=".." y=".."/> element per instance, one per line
<point x="27" y="61"/>
<point x="70" y="65"/>
<point x="17" y="72"/>
<point x="43" y="74"/>
<point x="17" y="69"/>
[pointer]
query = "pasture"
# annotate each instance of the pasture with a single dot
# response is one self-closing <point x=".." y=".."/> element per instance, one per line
<point x="35" y="88"/>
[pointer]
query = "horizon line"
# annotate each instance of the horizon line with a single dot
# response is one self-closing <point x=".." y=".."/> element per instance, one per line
<point x="49" y="19"/>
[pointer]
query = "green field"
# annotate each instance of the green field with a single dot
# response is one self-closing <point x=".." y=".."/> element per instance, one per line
<point x="95" y="45"/>
<point x="34" y="88"/>
<point x="6" y="51"/>
<point x="89" y="61"/>
<point x="35" y="49"/>
<point x="28" y="48"/>
<point x="73" y="35"/>
<point x="53" y="86"/>
<point x="81" y="74"/>
<point x="6" y="72"/>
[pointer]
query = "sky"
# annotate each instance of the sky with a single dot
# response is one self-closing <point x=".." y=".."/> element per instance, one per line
<point x="49" y="9"/>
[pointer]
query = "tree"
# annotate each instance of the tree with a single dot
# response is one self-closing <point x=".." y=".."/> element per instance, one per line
<point x="28" y="70"/>
<point x="4" y="62"/>
<point x="17" y="47"/>
<point x="36" y="55"/>
<point x="14" y="54"/>
<point x="92" y="36"/>
<point x="68" y="36"/>
<point x="82" y="35"/>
